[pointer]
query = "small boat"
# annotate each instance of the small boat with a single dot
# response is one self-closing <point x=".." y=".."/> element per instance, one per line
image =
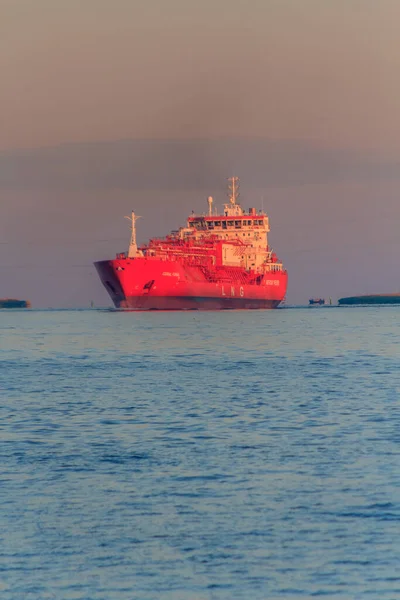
<point x="319" y="301"/>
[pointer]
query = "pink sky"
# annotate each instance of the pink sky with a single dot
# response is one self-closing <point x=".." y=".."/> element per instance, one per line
<point x="108" y="69"/>
<point x="316" y="73"/>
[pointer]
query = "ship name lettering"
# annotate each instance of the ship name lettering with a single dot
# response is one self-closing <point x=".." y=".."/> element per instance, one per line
<point x="232" y="290"/>
<point x="241" y="291"/>
<point x="272" y="282"/>
<point x="168" y="274"/>
<point x="223" y="291"/>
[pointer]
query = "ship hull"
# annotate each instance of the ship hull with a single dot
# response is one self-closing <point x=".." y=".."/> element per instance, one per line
<point x="142" y="284"/>
<point x="195" y="303"/>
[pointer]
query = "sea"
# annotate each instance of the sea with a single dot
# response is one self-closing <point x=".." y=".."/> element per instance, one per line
<point x="200" y="455"/>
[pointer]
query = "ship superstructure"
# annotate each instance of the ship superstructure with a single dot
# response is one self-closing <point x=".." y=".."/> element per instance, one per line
<point x="217" y="261"/>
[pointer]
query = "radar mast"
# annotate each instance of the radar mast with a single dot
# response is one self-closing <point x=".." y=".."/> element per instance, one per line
<point x="233" y="190"/>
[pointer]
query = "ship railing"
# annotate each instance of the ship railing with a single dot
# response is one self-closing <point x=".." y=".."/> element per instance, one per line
<point x="273" y="267"/>
<point x="188" y="258"/>
<point x="178" y="245"/>
<point x="229" y="275"/>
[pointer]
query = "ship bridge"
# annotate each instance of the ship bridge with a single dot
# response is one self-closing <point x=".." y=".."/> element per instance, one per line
<point x="233" y="223"/>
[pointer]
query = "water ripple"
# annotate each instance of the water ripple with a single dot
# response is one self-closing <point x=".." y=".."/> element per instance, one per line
<point x="208" y="457"/>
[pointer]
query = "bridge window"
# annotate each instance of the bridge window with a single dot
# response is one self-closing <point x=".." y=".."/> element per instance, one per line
<point x="223" y="224"/>
<point x="217" y="223"/>
<point x="238" y="224"/>
<point x="230" y="223"/>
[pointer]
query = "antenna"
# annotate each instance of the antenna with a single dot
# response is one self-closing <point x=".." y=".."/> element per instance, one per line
<point x="132" y="251"/>
<point x="210" y="203"/>
<point x="233" y="189"/>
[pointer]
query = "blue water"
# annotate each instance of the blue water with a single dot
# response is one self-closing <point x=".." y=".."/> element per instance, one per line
<point x="250" y="455"/>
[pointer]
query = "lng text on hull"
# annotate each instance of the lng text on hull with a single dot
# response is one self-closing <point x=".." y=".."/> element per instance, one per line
<point x="217" y="261"/>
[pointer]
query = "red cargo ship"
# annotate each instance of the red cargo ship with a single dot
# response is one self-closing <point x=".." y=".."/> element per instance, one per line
<point x="215" y="262"/>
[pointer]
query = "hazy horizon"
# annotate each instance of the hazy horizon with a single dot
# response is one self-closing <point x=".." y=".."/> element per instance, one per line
<point x="109" y="106"/>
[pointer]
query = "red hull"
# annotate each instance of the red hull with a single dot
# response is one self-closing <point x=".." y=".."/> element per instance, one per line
<point x="153" y="284"/>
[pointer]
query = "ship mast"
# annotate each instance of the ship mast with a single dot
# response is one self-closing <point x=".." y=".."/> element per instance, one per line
<point x="233" y="189"/>
<point x="132" y="251"/>
<point x="233" y="208"/>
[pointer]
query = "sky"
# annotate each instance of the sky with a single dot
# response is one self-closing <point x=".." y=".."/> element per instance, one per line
<point x="114" y="105"/>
